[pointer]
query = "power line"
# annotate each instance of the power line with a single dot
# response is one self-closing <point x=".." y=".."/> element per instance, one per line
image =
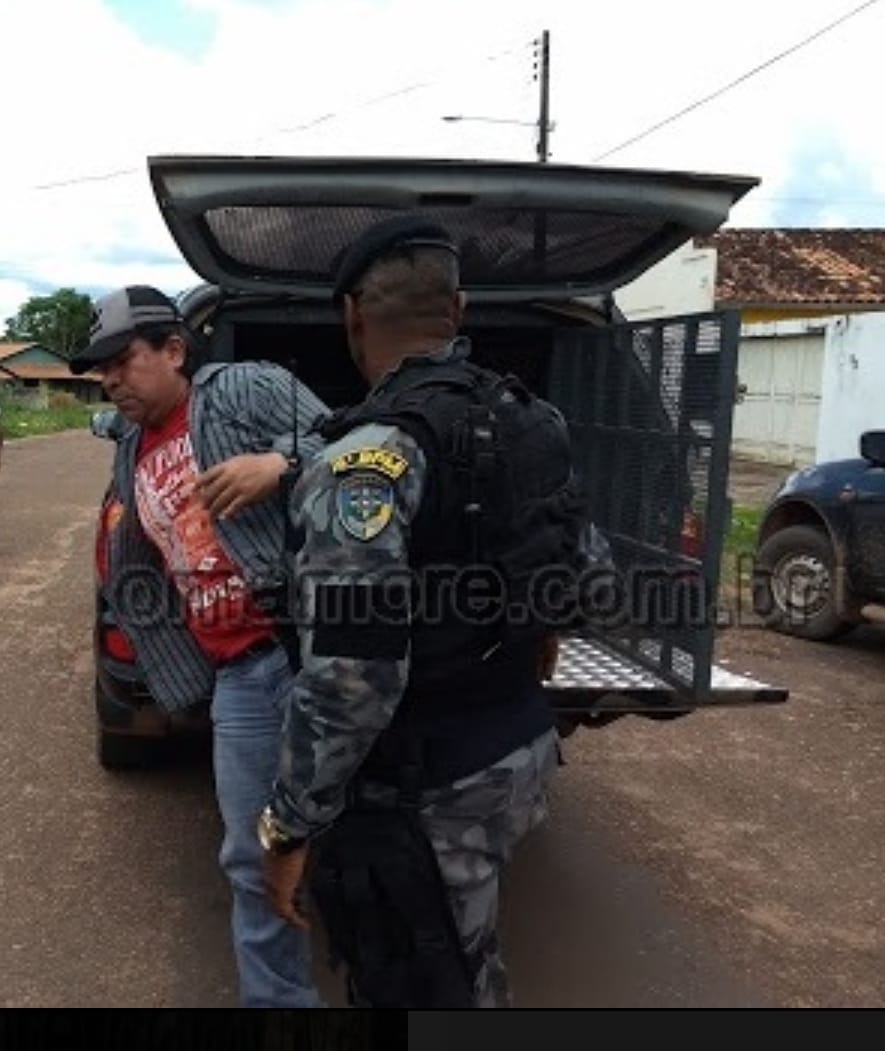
<point x="313" y="122"/>
<point x="385" y="97"/>
<point x="100" y="177"/>
<point x="739" y="80"/>
<point x="408" y="89"/>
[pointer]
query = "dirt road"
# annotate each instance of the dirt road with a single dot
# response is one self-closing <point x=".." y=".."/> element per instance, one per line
<point x="726" y="859"/>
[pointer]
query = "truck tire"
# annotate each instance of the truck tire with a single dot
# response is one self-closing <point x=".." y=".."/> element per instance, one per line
<point x="793" y="584"/>
<point x="118" y="747"/>
<point x="117" y="751"/>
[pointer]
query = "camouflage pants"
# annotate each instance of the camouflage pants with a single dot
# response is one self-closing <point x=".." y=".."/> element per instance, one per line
<point x="474" y="824"/>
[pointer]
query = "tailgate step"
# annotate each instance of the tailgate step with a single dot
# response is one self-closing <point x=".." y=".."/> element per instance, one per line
<point x="592" y="677"/>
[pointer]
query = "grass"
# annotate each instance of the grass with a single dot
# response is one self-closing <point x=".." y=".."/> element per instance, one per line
<point x="741" y="535"/>
<point x="19" y="421"/>
<point x="740" y="543"/>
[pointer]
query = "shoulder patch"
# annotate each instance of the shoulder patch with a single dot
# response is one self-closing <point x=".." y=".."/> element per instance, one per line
<point x="364" y="503"/>
<point x="385" y="461"/>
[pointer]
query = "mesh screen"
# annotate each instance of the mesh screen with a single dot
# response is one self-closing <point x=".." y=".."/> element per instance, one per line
<point x="499" y="247"/>
<point x="650" y="414"/>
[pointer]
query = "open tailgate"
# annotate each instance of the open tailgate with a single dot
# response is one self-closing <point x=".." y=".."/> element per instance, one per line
<point x="525" y="231"/>
<point x="649" y="407"/>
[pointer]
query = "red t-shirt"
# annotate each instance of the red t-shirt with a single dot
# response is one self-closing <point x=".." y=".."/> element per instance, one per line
<point x="219" y="610"/>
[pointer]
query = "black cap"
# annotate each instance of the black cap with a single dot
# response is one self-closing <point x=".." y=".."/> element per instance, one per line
<point x="383" y="238"/>
<point x="116" y="319"/>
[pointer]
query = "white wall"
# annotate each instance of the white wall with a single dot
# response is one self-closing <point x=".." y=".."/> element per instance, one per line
<point x="853" y="391"/>
<point x="682" y="283"/>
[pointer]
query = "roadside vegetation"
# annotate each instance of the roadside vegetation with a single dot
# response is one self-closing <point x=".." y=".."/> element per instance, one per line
<point x="63" y="413"/>
<point x="740" y="542"/>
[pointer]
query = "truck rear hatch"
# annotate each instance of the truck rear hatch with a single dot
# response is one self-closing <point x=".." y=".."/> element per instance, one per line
<point x="649" y="405"/>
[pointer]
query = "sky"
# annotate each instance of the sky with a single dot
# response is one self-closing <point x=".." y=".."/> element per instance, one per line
<point x="91" y="88"/>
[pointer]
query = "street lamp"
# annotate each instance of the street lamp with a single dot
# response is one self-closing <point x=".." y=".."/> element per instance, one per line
<point x="543" y="123"/>
<point x="499" y="120"/>
<point x="542" y="142"/>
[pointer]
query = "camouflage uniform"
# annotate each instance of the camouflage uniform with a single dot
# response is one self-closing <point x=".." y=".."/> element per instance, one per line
<point x="355" y="504"/>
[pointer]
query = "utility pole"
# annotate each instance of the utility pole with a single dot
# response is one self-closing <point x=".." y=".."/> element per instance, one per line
<point x="542" y="74"/>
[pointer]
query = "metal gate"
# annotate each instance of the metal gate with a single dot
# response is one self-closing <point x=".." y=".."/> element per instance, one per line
<point x="649" y="406"/>
<point x="776" y="419"/>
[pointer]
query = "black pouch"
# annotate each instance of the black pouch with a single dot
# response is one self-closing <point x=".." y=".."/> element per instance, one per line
<point x="375" y="882"/>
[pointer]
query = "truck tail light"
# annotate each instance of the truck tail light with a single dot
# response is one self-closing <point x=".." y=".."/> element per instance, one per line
<point x="691" y="538"/>
<point x="115" y="644"/>
<point x="109" y="516"/>
<point x="101" y="550"/>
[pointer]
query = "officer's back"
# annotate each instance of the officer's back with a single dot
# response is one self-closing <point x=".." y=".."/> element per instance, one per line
<point x="428" y="520"/>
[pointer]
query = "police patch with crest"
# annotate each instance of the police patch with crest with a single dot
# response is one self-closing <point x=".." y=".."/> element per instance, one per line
<point x="364" y="496"/>
<point x="364" y="503"/>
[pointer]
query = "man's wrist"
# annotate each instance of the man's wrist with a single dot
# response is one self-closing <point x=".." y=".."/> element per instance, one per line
<point x="274" y="836"/>
<point x="284" y="462"/>
<point x="291" y="468"/>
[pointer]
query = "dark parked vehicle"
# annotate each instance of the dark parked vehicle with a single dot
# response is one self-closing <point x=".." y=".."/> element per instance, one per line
<point x="542" y="248"/>
<point x="820" y="560"/>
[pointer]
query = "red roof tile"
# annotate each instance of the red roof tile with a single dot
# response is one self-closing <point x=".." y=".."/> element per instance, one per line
<point x="787" y="266"/>
<point x="47" y="372"/>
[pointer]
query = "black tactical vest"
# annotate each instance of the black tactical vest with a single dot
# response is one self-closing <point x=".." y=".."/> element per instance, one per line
<point x="499" y="505"/>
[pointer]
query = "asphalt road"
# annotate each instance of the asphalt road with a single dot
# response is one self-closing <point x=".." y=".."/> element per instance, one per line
<point x="731" y="858"/>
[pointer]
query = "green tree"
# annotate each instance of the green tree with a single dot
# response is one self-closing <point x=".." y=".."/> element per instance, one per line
<point x="59" y="321"/>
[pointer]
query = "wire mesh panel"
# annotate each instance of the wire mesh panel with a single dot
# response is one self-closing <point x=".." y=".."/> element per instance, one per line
<point x="649" y="406"/>
<point x="498" y="246"/>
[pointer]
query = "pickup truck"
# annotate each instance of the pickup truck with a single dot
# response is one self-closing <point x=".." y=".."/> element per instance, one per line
<point x="820" y="559"/>
<point x="543" y="247"/>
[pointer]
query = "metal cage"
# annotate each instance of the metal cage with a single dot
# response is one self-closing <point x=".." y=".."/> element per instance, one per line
<point x="649" y="406"/>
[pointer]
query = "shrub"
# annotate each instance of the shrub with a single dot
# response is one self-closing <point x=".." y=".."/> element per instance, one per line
<point x="62" y="399"/>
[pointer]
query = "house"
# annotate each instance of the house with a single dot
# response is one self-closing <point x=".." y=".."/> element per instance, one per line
<point x="784" y="273"/>
<point x="32" y="368"/>
<point x="790" y="285"/>
<point x="682" y="283"/>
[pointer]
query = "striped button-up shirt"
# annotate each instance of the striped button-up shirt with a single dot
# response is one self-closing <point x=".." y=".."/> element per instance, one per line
<point x="249" y="407"/>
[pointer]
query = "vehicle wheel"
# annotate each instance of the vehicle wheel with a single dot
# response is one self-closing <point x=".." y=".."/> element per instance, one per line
<point x="118" y="751"/>
<point x="565" y="725"/>
<point x="794" y="584"/>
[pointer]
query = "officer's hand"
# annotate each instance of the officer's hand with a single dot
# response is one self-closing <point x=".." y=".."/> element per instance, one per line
<point x="283" y="874"/>
<point x="548" y="654"/>
<point x="239" y="481"/>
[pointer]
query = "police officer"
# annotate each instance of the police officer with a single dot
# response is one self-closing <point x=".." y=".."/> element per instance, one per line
<point x="444" y="467"/>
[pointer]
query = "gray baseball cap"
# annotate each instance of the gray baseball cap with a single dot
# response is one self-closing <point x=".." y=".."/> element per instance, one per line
<point x="116" y="320"/>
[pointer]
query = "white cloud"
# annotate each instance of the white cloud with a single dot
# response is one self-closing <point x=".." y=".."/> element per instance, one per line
<point x="12" y="294"/>
<point x="89" y="97"/>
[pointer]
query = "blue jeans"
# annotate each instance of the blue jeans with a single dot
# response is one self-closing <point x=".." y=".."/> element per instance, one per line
<point x="247" y="715"/>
